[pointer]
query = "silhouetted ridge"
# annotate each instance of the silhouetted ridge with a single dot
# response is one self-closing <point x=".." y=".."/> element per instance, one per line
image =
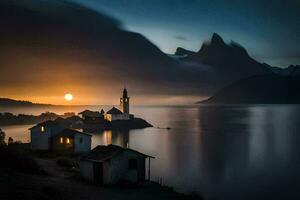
<point x="230" y="62"/>
<point x="238" y="49"/>
<point x="217" y="47"/>
<point x="216" y="40"/>
<point x="214" y="46"/>
<point x="183" y="52"/>
<point x="291" y="70"/>
<point x="12" y="102"/>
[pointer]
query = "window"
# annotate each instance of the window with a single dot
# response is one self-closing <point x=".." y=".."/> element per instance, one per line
<point x="42" y="129"/>
<point x="80" y="140"/>
<point x="132" y="164"/>
<point x="68" y="141"/>
<point x="61" y="140"/>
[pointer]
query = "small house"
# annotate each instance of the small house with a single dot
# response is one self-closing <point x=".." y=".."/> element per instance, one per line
<point x="55" y="135"/>
<point x="41" y="133"/>
<point x="71" y="141"/>
<point x="92" y="117"/>
<point x="112" y="164"/>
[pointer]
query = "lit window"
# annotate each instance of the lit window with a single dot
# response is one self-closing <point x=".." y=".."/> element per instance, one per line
<point x="68" y="141"/>
<point x="42" y="129"/>
<point x="61" y="140"/>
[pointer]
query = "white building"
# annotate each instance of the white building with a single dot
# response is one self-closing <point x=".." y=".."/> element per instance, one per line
<point x="122" y="114"/>
<point x="54" y="136"/>
<point x="115" y="114"/>
<point x="41" y="133"/>
<point x="112" y="164"/>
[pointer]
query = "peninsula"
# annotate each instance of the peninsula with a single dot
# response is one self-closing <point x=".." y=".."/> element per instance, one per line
<point x="114" y="119"/>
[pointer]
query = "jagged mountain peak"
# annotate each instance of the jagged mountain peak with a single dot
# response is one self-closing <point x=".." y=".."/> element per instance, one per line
<point x="216" y="40"/>
<point x="217" y="47"/>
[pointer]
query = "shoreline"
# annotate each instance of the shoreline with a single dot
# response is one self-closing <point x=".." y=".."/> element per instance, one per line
<point x="58" y="181"/>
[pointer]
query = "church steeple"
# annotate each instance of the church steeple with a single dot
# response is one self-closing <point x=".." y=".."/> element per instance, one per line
<point x="125" y="93"/>
<point x="124" y="102"/>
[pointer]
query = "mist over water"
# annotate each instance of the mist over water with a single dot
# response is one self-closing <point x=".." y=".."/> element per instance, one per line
<point x="237" y="152"/>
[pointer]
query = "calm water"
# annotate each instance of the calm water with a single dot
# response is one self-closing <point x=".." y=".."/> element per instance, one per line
<point x="247" y="152"/>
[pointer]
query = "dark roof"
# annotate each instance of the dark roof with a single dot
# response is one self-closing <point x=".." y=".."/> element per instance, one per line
<point x="73" y="119"/>
<point x="102" y="153"/>
<point x="62" y="121"/>
<point x="49" y="123"/>
<point x="70" y="132"/>
<point x="59" y="119"/>
<point x="91" y="113"/>
<point x="114" y="110"/>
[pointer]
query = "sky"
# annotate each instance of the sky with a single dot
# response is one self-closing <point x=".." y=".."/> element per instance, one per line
<point x="269" y="30"/>
<point x="70" y="48"/>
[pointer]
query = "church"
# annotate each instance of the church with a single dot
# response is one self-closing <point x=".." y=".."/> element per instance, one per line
<point x="114" y="114"/>
<point x="123" y="112"/>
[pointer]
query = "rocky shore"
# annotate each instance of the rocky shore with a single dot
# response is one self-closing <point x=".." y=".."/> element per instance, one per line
<point x="73" y="121"/>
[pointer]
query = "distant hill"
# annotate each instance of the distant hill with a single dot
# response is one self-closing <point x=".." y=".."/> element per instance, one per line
<point x="290" y="70"/>
<point x="183" y="52"/>
<point x="11" y="102"/>
<point x="264" y="89"/>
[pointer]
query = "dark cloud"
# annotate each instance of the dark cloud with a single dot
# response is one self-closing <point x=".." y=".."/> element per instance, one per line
<point x="76" y="46"/>
<point x="179" y="37"/>
<point x="48" y="46"/>
<point x="262" y="27"/>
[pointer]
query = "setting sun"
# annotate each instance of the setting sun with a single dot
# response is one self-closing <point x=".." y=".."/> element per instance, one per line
<point x="68" y="97"/>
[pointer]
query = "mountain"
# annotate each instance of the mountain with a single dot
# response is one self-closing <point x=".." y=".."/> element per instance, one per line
<point x="288" y="71"/>
<point x="11" y="102"/>
<point x="52" y="46"/>
<point x="229" y="62"/>
<point x="264" y="89"/>
<point x="183" y="52"/>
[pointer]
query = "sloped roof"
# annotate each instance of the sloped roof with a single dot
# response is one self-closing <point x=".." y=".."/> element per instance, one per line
<point x="63" y="121"/>
<point x="49" y="123"/>
<point x="70" y="132"/>
<point x="91" y="113"/>
<point x="114" y="110"/>
<point x="103" y="153"/>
